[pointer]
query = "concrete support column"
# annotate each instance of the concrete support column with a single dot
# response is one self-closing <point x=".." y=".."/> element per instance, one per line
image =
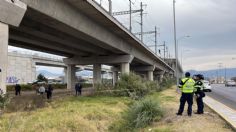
<point x="115" y="77"/>
<point x="71" y="70"/>
<point x="4" y="35"/>
<point x="161" y="76"/>
<point x="97" y="73"/>
<point x="150" y="75"/>
<point x="66" y="75"/>
<point x="167" y="75"/>
<point x="125" y="68"/>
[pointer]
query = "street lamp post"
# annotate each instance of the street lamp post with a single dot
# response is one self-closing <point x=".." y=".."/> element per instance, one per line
<point x="176" y="51"/>
<point x="177" y="54"/>
<point x="176" y="45"/>
<point x="218" y="75"/>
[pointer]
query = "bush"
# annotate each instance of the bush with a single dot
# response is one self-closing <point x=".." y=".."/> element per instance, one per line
<point x="139" y="115"/>
<point x="131" y="85"/>
<point x="167" y="83"/>
<point x="4" y="100"/>
<point x="143" y="113"/>
<point x="30" y="87"/>
<point x="24" y="87"/>
<point x="153" y="85"/>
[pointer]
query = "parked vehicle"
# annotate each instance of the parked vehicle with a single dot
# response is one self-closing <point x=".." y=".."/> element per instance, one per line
<point x="207" y="86"/>
<point x="229" y="83"/>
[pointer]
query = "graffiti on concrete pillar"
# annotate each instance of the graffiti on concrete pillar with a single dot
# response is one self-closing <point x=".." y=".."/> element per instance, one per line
<point x="12" y="79"/>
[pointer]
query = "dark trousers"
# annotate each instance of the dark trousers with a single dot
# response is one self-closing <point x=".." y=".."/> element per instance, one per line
<point x="49" y="95"/>
<point x="17" y="92"/>
<point x="200" y="105"/>
<point x="186" y="97"/>
<point x="78" y="92"/>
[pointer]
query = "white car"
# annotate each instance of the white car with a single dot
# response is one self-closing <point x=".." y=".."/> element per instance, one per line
<point x="230" y="83"/>
<point x="207" y="86"/>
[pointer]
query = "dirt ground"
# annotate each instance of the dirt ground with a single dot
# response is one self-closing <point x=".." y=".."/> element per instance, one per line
<point x="208" y="122"/>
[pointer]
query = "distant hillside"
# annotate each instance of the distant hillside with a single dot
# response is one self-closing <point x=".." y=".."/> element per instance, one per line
<point x="230" y="72"/>
<point x="48" y="74"/>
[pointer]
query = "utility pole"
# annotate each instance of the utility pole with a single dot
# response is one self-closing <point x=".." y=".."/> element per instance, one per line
<point x="164" y="44"/>
<point x="130" y="16"/>
<point x="167" y="52"/>
<point x="110" y="7"/>
<point x="155" y="37"/>
<point x="130" y="12"/>
<point x="225" y="74"/>
<point x="155" y="40"/>
<point x="141" y="23"/>
<point x="219" y="65"/>
<point x="100" y="2"/>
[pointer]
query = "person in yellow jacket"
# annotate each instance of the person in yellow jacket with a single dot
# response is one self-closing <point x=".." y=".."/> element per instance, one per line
<point x="187" y="88"/>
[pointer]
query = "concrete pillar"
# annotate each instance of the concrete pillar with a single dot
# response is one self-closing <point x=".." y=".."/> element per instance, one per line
<point x="125" y="68"/>
<point x="161" y="76"/>
<point x="71" y="70"/>
<point x="115" y="77"/>
<point x="4" y="35"/>
<point x="66" y="76"/>
<point x="150" y="75"/>
<point x="97" y="73"/>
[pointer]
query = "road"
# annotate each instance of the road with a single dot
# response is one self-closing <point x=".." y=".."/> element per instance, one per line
<point x="225" y="95"/>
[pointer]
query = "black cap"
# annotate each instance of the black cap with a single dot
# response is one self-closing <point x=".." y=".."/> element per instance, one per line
<point x="201" y="76"/>
<point x="187" y="74"/>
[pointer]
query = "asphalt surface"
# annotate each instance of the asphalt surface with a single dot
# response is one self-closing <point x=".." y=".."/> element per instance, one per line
<point x="225" y="95"/>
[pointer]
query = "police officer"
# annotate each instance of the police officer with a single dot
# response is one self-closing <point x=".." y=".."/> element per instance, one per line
<point x="187" y="88"/>
<point x="199" y="87"/>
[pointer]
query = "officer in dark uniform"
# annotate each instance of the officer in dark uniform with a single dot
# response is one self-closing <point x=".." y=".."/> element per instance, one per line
<point x="17" y="89"/>
<point x="78" y="89"/>
<point x="187" y="88"/>
<point x="199" y="87"/>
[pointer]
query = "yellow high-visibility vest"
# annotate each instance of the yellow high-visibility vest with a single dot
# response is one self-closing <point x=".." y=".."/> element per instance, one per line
<point x="188" y="87"/>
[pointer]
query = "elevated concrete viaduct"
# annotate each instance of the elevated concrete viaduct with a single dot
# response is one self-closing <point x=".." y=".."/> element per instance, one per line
<point x="80" y="30"/>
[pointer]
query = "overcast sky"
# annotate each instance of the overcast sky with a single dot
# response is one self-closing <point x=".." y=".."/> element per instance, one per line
<point x="210" y="23"/>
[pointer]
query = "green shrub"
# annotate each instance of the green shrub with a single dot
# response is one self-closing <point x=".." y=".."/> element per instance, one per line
<point x="30" y="87"/>
<point x="167" y="83"/>
<point x="4" y="100"/>
<point x="138" y="115"/>
<point x="24" y="87"/>
<point x="131" y="85"/>
<point x="143" y="113"/>
<point x="153" y="85"/>
<point x="87" y="85"/>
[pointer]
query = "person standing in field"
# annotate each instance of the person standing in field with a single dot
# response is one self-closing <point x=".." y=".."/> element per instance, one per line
<point x="49" y="91"/>
<point x="187" y="88"/>
<point x="17" y="89"/>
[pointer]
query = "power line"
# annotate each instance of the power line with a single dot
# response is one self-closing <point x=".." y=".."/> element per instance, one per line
<point x="130" y="12"/>
<point x="125" y="12"/>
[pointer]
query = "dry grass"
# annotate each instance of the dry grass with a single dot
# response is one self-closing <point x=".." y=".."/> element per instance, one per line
<point x="96" y="114"/>
<point x="209" y="122"/>
<point x="85" y="114"/>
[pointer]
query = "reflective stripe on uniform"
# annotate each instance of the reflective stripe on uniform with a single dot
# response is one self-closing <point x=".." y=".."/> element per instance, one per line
<point x="188" y="87"/>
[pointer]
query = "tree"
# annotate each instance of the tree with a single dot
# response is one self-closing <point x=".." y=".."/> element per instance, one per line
<point x="42" y="78"/>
